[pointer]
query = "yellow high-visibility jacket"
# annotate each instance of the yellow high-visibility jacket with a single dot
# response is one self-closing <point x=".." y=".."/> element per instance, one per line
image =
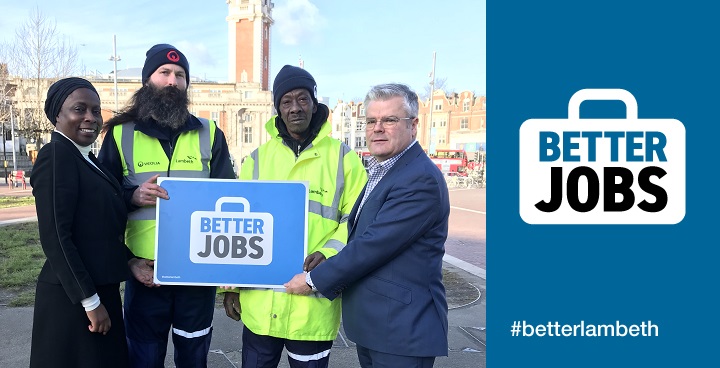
<point x="142" y="157"/>
<point x="336" y="178"/>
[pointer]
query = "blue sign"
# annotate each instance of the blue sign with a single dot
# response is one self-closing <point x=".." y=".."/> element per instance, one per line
<point x="230" y="232"/>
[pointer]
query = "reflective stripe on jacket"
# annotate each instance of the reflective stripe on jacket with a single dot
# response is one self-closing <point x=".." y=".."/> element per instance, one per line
<point x="143" y="157"/>
<point x="336" y="178"/>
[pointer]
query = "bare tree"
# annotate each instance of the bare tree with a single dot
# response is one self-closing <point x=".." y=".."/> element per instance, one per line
<point x="39" y="56"/>
<point x="6" y="87"/>
<point x="440" y="83"/>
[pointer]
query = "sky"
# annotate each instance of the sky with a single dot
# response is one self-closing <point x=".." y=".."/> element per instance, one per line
<point x="348" y="46"/>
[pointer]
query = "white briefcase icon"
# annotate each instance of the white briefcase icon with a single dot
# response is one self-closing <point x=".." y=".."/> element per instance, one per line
<point x="602" y="171"/>
<point x="244" y="238"/>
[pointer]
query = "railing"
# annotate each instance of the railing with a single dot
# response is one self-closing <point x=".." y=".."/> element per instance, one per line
<point x="476" y="180"/>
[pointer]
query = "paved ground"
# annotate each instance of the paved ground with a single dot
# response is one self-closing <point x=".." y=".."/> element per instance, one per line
<point x="465" y="259"/>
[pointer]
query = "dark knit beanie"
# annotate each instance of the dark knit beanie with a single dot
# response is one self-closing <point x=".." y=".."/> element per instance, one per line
<point x="290" y="78"/>
<point x="58" y="93"/>
<point x="160" y="55"/>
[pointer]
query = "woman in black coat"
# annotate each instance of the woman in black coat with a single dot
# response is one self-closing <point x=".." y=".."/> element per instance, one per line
<point x="78" y="319"/>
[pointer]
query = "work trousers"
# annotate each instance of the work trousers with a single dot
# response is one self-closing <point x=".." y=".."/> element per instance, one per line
<point x="260" y="351"/>
<point x="151" y="312"/>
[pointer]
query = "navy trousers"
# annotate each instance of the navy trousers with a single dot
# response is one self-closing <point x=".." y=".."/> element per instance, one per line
<point x="375" y="359"/>
<point x="151" y="312"/>
<point x="260" y="351"/>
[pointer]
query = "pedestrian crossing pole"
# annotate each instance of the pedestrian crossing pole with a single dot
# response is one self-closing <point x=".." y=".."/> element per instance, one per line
<point x="431" y="147"/>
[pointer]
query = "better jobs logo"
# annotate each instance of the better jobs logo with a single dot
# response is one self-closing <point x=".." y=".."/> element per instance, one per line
<point x="602" y="171"/>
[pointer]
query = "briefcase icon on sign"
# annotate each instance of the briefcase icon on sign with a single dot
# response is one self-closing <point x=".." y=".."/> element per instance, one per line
<point x="602" y="171"/>
<point x="243" y="238"/>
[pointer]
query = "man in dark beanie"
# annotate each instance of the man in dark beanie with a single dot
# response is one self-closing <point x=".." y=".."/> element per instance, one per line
<point x="162" y="54"/>
<point x="142" y="143"/>
<point x="301" y="149"/>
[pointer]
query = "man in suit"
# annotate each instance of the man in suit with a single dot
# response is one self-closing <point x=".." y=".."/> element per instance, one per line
<point x="390" y="272"/>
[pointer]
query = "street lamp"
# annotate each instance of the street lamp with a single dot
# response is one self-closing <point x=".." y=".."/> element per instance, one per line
<point x="242" y="131"/>
<point x="4" y="152"/>
<point x="12" y="136"/>
<point x="8" y="103"/>
<point x="115" y="58"/>
<point x="431" y="147"/>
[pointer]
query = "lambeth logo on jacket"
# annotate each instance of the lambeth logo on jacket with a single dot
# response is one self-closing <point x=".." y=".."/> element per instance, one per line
<point x="189" y="160"/>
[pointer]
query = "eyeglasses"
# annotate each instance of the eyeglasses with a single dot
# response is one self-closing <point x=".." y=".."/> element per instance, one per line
<point x="387" y="122"/>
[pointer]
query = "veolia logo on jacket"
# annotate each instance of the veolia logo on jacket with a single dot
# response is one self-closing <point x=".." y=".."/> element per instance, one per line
<point x="148" y="163"/>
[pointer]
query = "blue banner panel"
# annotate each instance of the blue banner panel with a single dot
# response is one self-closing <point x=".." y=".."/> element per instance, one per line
<point x="601" y="233"/>
<point x="230" y="232"/>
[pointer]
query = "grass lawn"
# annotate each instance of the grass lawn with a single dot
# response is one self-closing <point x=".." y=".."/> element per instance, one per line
<point x="8" y="201"/>
<point x="21" y="258"/>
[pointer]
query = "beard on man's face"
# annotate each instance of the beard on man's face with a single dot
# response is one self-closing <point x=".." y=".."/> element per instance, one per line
<point x="168" y="106"/>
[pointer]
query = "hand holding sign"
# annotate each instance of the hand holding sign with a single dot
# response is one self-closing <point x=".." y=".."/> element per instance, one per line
<point x="312" y="261"/>
<point x="142" y="270"/>
<point x="148" y="193"/>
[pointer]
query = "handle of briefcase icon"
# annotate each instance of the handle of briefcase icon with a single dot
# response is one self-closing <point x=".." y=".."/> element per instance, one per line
<point x="240" y="200"/>
<point x="608" y="94"/>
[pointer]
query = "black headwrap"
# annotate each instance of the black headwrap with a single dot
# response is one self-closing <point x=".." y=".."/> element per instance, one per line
<point x="59" y="91"/>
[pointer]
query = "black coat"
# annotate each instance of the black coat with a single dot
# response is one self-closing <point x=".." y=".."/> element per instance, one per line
<point x="81" y="219"/>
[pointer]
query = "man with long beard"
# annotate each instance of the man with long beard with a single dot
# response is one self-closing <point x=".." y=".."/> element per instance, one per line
<point x="155" y="135"/>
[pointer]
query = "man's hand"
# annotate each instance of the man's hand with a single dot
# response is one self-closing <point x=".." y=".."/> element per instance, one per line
<point x="99" y="320"/>
<point x="142" y="269"/>
<point x="312" y="261"/>
<point x="297" y="285"/>
<point x="232" y="305"/>
<point x="148" y="193"/>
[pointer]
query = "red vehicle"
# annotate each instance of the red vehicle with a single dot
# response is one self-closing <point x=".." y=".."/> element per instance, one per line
<point x="450" y="161"/>
<point x="365" y="157"/>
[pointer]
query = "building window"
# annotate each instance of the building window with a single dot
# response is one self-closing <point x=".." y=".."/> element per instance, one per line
<point x="438" y="106"/>
<point x="464" y="123"/>
<point x="247" y="134"/>
<point x="215" y="115"/>
<point x="248" y="95"/>
<point x="466" y="105"/>
<point x="359" y="142"/>
<point x="215" y="93"/>
<point x="443" y="123"/>
<point x="121" y="92"/>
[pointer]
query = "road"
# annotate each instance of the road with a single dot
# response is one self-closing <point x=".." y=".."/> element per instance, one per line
<point x="466" y="235"/>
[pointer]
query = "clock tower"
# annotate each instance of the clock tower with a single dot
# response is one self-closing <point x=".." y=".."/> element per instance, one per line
<point x="249" y="24"/>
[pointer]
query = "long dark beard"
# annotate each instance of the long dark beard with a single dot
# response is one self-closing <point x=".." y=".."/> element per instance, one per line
<point x="167" y="106"/>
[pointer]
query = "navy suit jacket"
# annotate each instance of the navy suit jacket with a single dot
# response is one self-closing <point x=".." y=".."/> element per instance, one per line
<point x="390" y="272"/>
